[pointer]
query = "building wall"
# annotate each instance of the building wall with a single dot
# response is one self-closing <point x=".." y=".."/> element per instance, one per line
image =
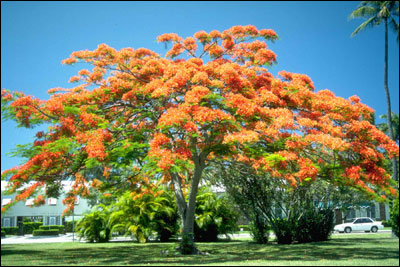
<point x="49" y="213"/>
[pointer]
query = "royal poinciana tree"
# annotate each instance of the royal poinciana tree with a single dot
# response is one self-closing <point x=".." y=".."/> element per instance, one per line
<point x="211" y="97"/>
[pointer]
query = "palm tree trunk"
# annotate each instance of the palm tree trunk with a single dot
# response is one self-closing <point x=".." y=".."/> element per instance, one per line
<point x="389" y="109"/>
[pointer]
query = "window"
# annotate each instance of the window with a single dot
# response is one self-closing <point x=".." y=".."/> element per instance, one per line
<point x="6" y="222"/>
<point x="52" y="201"/>
<point x="359" y="221"/>
<point x="52" y="221"/>
<point x="367" y="221"/>
<point x="5" y="201"/>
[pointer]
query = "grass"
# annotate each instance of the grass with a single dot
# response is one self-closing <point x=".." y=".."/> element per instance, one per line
<point x="362" y="250"/>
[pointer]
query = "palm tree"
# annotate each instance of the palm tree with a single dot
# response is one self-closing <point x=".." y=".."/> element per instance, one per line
<point x="375" y="12"/>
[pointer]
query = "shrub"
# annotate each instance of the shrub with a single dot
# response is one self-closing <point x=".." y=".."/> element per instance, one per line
<point x="259" y="230"/>
<point x="394" y="217"/>
<point x="95" y="226"/>
<point x="45" y="232"/>
<point x="324" y="225"/>
<point x="3" y="233"/>
<point x="166" y="220"/>
<point x="10" y="230"/>
<point x="312" y="225"/>
<point x="214" y="216"/>
<point x="60" y="228"/>
<point x="315" y="225"/>
<point x="30" y="226"/>
<point x="284" y="231"/>
<point x="147" y="215"/>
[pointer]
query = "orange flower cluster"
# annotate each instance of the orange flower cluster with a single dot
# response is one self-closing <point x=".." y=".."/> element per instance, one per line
<point x="95" y="143"/>
<point x="196" y="94"/>
<point x="243" y="136"/>
<point x="243" y="105"/>
<point x="39" y="200"/>
<point x="29" y="191"/>
<point x="173" y="116"/>
<point x="307" y="169"/>
<point x="89" y="119"/>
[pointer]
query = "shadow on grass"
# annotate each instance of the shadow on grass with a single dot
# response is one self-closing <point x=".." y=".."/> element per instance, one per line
<point x="219" y="252"/>
<point x="22" y="252"/>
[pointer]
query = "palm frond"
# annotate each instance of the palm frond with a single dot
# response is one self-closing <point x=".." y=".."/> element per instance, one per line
<point x="363" y="12"/>
<point x="368" y="23"/>
<point x="375" y="4"/>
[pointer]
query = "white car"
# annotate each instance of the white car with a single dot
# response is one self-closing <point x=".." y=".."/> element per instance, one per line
<point x="359" y="224"/>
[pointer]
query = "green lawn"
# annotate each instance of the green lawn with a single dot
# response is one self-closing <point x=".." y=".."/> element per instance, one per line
<point x="361" y="250"/>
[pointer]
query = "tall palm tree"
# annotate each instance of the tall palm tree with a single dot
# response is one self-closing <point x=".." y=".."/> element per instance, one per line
<point x="375" y="12"/>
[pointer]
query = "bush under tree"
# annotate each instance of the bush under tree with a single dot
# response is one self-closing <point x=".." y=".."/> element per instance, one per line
<point x="394" y="216"/>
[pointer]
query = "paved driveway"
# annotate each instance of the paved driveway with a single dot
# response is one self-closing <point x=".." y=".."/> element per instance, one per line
<point x="27" y="239"/>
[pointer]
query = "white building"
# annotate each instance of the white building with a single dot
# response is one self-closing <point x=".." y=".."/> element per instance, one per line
<point x="49" y="213"/>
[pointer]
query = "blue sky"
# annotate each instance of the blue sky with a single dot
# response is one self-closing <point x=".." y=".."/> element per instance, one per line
<point x="314" y="40"/>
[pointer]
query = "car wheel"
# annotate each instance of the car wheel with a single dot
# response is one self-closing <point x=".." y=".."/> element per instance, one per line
<point x="347" y="230"/>
<point x="374" y="229"/>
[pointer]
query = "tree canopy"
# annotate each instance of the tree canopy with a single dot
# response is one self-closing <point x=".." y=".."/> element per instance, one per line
<point x="137" y="115"/>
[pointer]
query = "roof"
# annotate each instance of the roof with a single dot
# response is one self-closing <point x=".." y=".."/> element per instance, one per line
<point x="67" y="185"/>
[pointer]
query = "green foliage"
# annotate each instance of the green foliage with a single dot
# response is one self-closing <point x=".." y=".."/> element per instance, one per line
<point x="259" y="230"/>
<point x="95" y="226"/>
<point x="68" y="226"/>
<point x="314" y="226"/>
<point x="302" y="214"/>
<point x="395" y="125"/>
<point x="214" y="216"/>
<point x="3" y="233"/>
<point x="30" y="226"/>
<point x="187" y="246"/>
<point x="10" y="230"/>
<point x="45" y="232"/>
<point x="283" y="229"/>
<point x="146" y="215"/>
<point x="394" y="217"/>
<point x="60" y="228"/>
<point x="166" y="220"/>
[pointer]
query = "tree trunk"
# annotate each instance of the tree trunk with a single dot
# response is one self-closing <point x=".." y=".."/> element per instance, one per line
<point x="187" y="210"/>
<point x="389" y="108"/>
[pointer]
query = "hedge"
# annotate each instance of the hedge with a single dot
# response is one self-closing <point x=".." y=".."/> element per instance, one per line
<point x="10" y="230"/>
<point x="60" y="228"/>
<point x="3" y="233"/>
<point x="45" y="232"/>
<point x="30" y="226"/>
